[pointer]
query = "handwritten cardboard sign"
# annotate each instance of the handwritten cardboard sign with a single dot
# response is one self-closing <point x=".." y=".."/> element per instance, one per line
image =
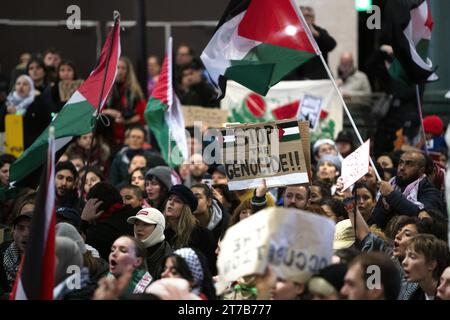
<point x="356" y="165"/>
<point x="310" y="108"/>
<point x="212" y="117"/>
<point x="67" y="88"/>
<point x="275" y="151"/>
<point x="295" y="243"/>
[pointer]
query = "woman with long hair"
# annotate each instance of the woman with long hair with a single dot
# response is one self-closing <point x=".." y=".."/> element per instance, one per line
<point x="126" y="104"/>
<point x="182" y="228"/>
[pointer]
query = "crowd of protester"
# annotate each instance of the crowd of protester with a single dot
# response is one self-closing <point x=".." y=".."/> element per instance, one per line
<point x="139" y="229"/>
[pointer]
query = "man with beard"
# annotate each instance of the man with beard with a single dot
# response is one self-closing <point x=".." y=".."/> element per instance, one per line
<point x="296" y="196"/>
<point x="408" y="192"/>
<point x="66" y="176"/>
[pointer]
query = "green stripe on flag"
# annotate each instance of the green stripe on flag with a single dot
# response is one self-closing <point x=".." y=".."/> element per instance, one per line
<point x="74" y="120"/>
<point x="154" y="116"/>
<point x="266" y="65"/>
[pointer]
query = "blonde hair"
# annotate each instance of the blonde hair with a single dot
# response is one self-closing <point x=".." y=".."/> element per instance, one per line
<point x="184" y="227"/>
<point x="131" y="80"/>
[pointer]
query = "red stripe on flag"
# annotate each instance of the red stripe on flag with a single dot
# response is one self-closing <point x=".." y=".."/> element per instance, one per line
<point x="161" y="88"/>
<point x="91" y="88"/>
<point x="429" y="22"/>
<point x="275" y="22"/>
<point x="48" y="262"/>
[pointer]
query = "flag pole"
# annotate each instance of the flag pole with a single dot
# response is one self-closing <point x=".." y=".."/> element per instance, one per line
<point x="419" y="106"/>
<point x="330" y="75"/>
<point x="169" y="92"/>
<point x="94" y="130"/>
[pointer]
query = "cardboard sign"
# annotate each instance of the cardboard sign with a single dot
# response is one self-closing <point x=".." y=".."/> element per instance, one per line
<point x="275" y="151"/>
<point x="356" y="165"/>
<point x="14" y="135"/>
<point x="295" y="243"/>
<point x="67" y="88"/>
<point x="212" y="117"/>
<point x="310" y="108"/>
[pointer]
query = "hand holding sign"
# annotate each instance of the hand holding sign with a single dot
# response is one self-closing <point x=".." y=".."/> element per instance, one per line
<point x="356" y="165"/>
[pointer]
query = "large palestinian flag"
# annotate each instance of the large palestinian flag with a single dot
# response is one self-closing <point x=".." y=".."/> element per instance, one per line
<point x="78" y="115"/>
<point x="409" y="25"/>
<point x="164" y="116"/>
<point x="257" y="43"/>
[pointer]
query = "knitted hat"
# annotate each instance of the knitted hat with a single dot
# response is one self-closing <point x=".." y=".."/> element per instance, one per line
<point x="67" y="230"/>
<point x="321" y="142"/>
<point x="163" y="174"/>
<point x="186" y="195"/>
<point x="433" y="124"/>
<point x="66" y="165"/>
<point x="331" y="158"/>
<point x="68" y="254"/>
<point x="344" y="235"/>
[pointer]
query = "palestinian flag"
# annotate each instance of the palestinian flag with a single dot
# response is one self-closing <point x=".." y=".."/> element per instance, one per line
<point x="78" y="115"/>
<point x="409" y="25"/>
<point x="35" y="279"/>
<point x="257" y="43"/>
<point x="164" y="116"/>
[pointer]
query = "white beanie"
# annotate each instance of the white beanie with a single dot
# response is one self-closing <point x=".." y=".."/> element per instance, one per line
<point x="321" y="142"/>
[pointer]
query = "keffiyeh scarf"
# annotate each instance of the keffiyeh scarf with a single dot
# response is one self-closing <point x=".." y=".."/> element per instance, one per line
<point x="11" y="262"/>
<point x="411" y="191"/>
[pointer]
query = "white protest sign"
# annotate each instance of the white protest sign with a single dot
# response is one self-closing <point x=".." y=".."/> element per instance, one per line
<point x="295" y="243"/>
<point x="356" y="165"/>
<point x="310" y="108"/>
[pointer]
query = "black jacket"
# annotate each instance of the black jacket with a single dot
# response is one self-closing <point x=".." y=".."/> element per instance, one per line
<point x="35" y="120"/>
<point x="399" y="205"/>
<point x="101" y="234"/>
<point x="155" y="257"/>
<point x="201" y="239"/>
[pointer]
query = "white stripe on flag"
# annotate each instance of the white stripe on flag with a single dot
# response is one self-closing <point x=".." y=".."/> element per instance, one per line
<point x="20" y="292"/>
<point x="50" y="201"/>
<point x="224" y="46"/>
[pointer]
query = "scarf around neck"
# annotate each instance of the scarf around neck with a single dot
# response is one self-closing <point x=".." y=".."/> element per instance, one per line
<point x="11" y="262"/>
<point x="411" y="191"/>
<point x="22" y="103"/>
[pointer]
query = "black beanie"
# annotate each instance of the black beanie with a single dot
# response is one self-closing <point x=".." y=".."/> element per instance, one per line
<point x="185" y="194"/>
<point x="67" y="165"/>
